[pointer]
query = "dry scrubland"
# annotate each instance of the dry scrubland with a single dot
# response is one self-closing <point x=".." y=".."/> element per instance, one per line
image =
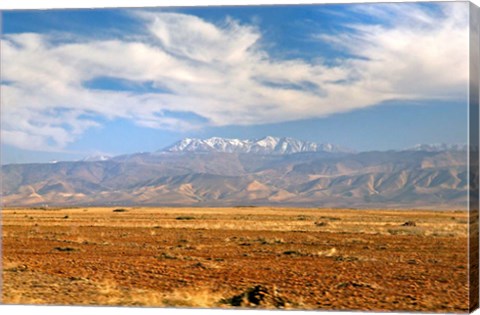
<point x="237" y="257"/>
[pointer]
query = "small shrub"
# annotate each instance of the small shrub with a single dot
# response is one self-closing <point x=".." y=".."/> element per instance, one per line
<point x="354" y="284"/>
<point x="406" y="231"/>
<point x="346" y="258"/>
<point x="166" y="256"/>
<point x="185" y="218"/>
<point x="409" y="223"/>
<point x="65" y="249"/>
<point x="266" y="241"/>
<point x="330" y="218"/>
<point x="199" y="265"/>
<point x="120" y="210"/>
<point x="279" y="241"/>
<point x="394" y="232"/>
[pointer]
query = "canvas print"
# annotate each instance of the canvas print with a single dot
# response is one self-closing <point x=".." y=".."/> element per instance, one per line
<point x="308" y="157"/>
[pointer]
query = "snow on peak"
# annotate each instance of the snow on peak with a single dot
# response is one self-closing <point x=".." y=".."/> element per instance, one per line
<point x="100" y="157"/>
<point x="266" y="145"/>
<point x="439" y="147"/>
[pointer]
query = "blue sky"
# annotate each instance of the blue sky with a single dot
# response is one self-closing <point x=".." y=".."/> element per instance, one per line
<point x="114" y="81"/>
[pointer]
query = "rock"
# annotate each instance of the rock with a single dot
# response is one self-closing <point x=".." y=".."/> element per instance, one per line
<point x="257" y="296"/>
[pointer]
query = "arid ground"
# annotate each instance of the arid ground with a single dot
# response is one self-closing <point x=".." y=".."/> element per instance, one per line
<point x="237" y="257"/>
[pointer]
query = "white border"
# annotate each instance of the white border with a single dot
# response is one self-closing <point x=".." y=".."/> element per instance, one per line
<point x="81" y="310"/>
<point x="70" y="4"/>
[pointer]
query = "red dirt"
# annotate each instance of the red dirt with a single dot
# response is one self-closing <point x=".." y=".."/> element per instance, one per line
<point x="359" y="260"/>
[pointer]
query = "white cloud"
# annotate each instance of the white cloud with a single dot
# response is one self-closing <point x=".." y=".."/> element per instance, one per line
<point x="221" y="73"/>
<point x="423" y="55"/>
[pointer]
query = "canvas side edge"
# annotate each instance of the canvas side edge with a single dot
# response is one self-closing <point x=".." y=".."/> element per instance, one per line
<point x="473" y="156"/>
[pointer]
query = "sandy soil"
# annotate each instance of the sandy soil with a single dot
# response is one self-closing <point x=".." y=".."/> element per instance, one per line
<point x="237" y="257"/>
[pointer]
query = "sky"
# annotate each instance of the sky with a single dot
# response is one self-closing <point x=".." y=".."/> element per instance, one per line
<point x="76" y="83"/>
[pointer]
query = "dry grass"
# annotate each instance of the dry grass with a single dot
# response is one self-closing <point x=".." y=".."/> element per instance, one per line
<point x="254" y="219"/>
<point x="111" y="293"/>
<point x="199" y="257"/>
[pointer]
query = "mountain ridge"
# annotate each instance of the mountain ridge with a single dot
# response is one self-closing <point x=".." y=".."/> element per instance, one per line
<point x="265" y="145"/>
<point x="384" y="179"/>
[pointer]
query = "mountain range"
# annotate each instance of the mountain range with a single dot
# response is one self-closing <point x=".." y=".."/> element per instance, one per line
<point x="233" y="172"/>
<point x="267" y="145"/>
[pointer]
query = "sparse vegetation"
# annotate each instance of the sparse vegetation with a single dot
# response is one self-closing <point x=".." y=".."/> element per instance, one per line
<point x="166" y="256"/>
<point x="406" y="231"/>
<point x="268" y="257"/>
<point x="330" y="218"/>
<point x="185" y="217"/>
<point x="302" y="218"/>
<point x="65" y="249"/>
<point x="346" y="258"/>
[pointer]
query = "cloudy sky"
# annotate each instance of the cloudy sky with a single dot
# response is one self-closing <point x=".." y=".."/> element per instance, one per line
<point x="113" y="81"/>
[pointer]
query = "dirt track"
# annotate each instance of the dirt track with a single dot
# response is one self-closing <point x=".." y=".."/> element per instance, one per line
<point x="301" y="258"/>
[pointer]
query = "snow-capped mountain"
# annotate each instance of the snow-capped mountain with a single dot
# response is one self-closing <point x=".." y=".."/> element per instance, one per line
<point x="267" y="145"/>
<point x="100" y="157"/>
<point x="375" y="179"/>
<point x="263" y="174"/>
<point x="439" y="147"/>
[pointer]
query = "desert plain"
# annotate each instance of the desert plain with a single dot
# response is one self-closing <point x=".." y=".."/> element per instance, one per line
<point x="261" y="257"/>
